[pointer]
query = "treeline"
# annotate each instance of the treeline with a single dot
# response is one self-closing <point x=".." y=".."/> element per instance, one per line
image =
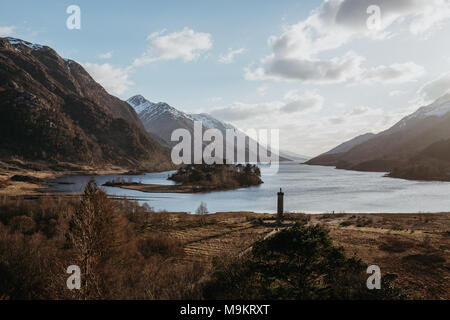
<point x="109" y="240"/>
<point x="218" y="175"/>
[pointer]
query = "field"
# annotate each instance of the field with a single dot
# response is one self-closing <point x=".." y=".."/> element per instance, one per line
<point x="416" y="247"/>
<point x="169" y="255"/>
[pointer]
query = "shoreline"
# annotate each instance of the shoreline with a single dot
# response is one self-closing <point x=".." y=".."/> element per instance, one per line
<point x="387" y="174"/>
<point x="175" y="188"/>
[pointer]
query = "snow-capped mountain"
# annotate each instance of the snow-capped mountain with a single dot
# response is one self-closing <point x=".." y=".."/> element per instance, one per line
<point x="161" y="119"/>
<point x="438" y="108"/>
<point x="400" y="143"/>
<point x="151" y="110"/>
<point x="211" y="122"/>
<point x="15" y="42"/>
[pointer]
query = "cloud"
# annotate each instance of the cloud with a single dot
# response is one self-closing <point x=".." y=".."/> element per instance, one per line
<point x="296" y="52"/>
<point x="6" y="31"/>
<point x="358" y="111"/>
<point x="394" y="73"/>
<point x="396" y="93"/>
<point x="262" y="90"/>
<point x="107" y="55"/>
<point x="435" y="89"/>
<point x="113" y="79"/>
<point x="240" y="111"/>
<point x="293" y="102"/>
<point x="302" y="102"/>
<point x="337" y="120"/>
<point x="364" y="111"/>
<point x="186" y="45"/>
<point x="308" y="70"/>
<point x="229" y="57"/>
<point x="214" y="99"/>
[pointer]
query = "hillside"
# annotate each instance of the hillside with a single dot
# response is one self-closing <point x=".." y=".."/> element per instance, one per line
<point x="418" y="139"/>
<point x="432" y="163"/>
<point x="53" y="111"/>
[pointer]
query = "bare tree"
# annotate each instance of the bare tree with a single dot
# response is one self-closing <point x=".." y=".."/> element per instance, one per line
<point x="92" y="233"/>
<point x="202" y="209"/>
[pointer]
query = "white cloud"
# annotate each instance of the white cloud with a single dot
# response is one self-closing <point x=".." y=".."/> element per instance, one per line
<point x="113" y="79"/>
<point x="107" y="55"/>
<point x="293" y="102"/>
<point x="262" y="90"/>
<point x="394" y="73"/>
<point x="186" y="45"/>
<point x="6" y="31"/>
<point x="302" y="102"/>
<point x="308" y="70"/>
<point x="214" y="99"/>
<point x="240" y="111"/>
<point x="396" y="93"/>
<point x="295" y="53"/>
<point x="434" y="89"/>
<point x="229" y="57"/>
<point x="357" y="111"/>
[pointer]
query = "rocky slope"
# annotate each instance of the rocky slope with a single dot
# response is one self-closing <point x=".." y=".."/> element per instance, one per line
<point x="53" y="111"/>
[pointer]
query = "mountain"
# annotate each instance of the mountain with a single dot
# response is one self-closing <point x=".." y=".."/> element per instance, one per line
<point x="162" y="119"/>
<point x="347" y="146"/>
<point x="292" y="156"/>
<point x="53" y="111"/>
<point x="404" y="144"/>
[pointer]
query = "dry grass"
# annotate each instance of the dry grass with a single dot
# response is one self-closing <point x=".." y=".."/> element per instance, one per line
<point x="178" y="248"/>
<point x="413" y="246"/>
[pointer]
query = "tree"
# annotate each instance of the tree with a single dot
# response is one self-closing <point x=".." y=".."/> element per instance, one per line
<point x="202" y="209"/>
<point x="296" y="263"/>
<point x="94" y="238"/>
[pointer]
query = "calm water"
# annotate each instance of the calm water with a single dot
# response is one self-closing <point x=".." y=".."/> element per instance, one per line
<point x="311" y="189"/>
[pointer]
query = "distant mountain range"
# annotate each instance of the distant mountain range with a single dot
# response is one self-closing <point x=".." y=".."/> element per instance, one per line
<point x="161" y="119"/>
<point x="417" y="147"/>
<point x="53" y="111"/>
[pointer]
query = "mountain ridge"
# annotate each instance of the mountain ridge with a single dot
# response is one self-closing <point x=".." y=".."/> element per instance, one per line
<point x="403" y="145"/>
<point x="53" y="111"/>
<point x="161" y="119"/>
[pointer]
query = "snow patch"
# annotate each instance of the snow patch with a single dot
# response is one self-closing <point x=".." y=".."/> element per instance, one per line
<point x="14" y="41"/>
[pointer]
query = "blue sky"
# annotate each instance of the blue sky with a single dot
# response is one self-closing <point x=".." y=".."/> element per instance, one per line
<point x="309" y="68"/>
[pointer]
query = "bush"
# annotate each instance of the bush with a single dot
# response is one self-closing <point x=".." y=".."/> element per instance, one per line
<point x="160" y="244"/>
<point x="395" y="245"/>
<point x="202" y="209"/>
<point x="346" y="223"/>
<point x="297" y="263"/>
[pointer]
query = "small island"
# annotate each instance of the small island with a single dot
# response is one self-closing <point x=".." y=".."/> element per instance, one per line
<point x="200" y="178"/>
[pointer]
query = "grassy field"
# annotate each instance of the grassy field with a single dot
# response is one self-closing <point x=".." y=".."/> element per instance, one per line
<point x="416" y="247"/>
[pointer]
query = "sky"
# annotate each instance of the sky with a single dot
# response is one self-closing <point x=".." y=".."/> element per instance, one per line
<point x="321" y="72"/>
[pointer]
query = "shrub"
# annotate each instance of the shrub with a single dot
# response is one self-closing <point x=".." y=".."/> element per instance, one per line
<point x="395" y="245"/>
<point x="160" y="244"/>
<point x="202" y="209"/>
<point x="296" y="263"/>
<point x="346" y="223"/>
